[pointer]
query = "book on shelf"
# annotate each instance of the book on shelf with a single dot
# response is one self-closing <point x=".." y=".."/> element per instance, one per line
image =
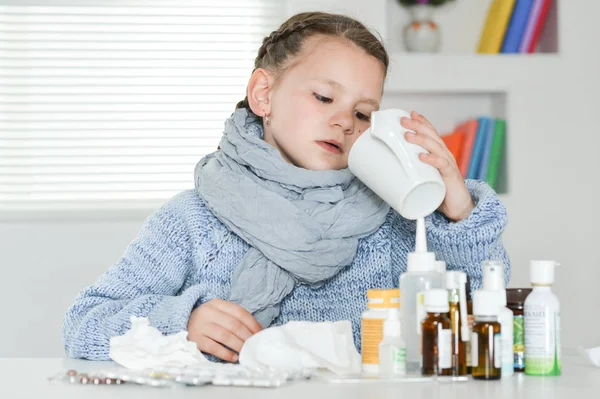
<point x="477" y="144"/>
<point x="513" y="26"/>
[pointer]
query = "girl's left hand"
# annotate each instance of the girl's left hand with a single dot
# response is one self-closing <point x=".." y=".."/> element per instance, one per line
<point x="457" y="204"/>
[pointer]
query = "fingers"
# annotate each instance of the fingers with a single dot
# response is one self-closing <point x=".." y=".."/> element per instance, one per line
<point x="421" y="118"/>
<point x="445" y="167"/>
<point x="228" y="322"/>
<point x="427" y="142"/>
<point x="421" y="127"/>
<point x="208" y="345"/>
<point x="224" y="336"/>
<point x="239" y="313"/>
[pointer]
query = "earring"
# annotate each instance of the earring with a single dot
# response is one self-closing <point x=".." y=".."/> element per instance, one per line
<point x="267" y="120"/>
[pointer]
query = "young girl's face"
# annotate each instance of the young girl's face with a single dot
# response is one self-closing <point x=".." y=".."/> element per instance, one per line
<point x="323" y="102"/>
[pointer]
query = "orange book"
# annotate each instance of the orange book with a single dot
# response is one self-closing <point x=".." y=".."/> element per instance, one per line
<point x="454" y="142"/>
<point x="469" y="130"/>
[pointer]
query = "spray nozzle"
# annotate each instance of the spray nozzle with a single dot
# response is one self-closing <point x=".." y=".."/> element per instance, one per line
<point x="420" y="260"/>
<point x="493" y="275"/>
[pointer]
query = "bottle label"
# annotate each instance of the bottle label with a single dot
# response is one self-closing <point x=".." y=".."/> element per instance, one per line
<point x="399" y="361"/>
<point x="371" y="336"/>
<point x="497" y="351"/>
<point x="421" y="313"/>
<point x="445" y="349"/>
<point x="542" y="341"/>
<point x="474" y="350"/>
<point x="519" y="342"/>
<point x="470" y="320"/>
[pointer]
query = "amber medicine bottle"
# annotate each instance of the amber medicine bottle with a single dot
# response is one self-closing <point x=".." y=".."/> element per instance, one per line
<point x="461" y="334"/>
<point x="436" y="344"/>
<point x="486" y="340"/>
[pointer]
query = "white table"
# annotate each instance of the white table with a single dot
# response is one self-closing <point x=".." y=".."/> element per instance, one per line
<point x="28" y="378"/>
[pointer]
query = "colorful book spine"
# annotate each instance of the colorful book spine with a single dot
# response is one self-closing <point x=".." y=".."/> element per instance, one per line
<point x="497" y="150"/>
<point x="478" y="147"/>
<point x="495" y="26"/>
<point x="469" y="129"/>
<point x="487" y="150"/>
<point x="535" y="22"/>
<point x="454" y="142"/>
<point x="516" y="26"/>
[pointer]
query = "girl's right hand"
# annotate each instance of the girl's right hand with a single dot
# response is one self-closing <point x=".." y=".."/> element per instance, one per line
<point x="219" y="322"/>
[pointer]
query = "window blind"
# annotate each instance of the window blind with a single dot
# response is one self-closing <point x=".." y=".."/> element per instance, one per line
<point x="110" y="104"/>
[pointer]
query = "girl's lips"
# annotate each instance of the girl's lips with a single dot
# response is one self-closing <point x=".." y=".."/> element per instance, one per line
<point x="330" y="147"/>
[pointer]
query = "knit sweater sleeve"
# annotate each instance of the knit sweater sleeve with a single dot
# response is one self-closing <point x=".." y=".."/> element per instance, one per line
<point x="147" y="281"/>
<point x="464" y="245"/>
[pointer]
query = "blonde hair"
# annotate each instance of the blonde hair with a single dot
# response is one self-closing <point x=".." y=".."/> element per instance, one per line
<point x="286" y="42"/>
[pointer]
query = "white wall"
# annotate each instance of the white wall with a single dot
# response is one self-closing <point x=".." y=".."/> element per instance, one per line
<point x="552" y="203"/>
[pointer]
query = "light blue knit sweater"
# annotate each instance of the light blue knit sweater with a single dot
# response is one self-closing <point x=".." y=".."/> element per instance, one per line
<point x="184" y="256"/>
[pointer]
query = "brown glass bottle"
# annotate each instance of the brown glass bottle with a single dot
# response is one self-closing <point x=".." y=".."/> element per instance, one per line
<point x="470" y="318"/>
<point x="486" y="345"/>
<point x="436" y="335"/>
<point x="487" y="361"/>
<point x="459" y="347"/>
<point x="515" y="298"/>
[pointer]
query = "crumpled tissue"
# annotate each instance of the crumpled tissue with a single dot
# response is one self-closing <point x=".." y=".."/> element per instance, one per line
<point x="144" y="346"/>
<point x="293" y="347"/>
<point x="299" y="345"/>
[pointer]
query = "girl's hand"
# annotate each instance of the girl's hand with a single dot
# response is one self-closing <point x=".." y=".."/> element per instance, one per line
<point x="218" y="325"/>
<point x="457" y="204"/>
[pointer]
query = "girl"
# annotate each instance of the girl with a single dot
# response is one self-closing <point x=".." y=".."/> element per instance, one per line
<point x="277" y="228"/>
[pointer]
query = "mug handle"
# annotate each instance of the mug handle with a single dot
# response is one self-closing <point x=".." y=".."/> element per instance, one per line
<point x="394" y="139"/>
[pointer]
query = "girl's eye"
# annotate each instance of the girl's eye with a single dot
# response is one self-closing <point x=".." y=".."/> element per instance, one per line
<point x="323" y="99"/>
<point x="363" y="117"/>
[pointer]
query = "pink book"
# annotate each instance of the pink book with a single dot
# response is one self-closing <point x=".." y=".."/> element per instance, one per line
<point x="535" y="18"/>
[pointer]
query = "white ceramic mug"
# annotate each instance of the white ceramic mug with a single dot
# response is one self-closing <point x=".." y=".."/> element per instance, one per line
<point x="390" y="166"/>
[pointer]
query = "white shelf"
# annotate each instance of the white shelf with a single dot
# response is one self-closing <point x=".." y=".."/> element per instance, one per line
<point x="459" y="73"/>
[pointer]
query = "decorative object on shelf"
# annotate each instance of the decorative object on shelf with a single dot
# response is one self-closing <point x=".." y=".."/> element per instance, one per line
<point x="422" y="34"/>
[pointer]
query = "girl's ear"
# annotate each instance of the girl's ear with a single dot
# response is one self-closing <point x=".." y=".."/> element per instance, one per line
<point x="259" y="92"/>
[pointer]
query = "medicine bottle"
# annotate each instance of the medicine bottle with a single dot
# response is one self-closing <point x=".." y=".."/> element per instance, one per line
<point x="515" y="301"/>
<point x="379" y="301"/>
<point x="436" y="334"/>
<point x="486" y="340"/>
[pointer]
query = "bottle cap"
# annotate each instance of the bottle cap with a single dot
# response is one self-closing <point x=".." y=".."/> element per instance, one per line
<point x="420" y="260"/>
<point x="391" y="324"/>
<point x="493" y="278"/>
<point x="383" y="298"/>
<point x="436" y="300"/>
<point x="542" y="272"/>
<point x="455" y="279"/>
<point x="440" y="267"/>
<point x="485" y="303"/>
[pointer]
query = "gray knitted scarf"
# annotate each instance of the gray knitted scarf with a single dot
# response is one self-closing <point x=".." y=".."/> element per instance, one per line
<point x="303" y="226"/>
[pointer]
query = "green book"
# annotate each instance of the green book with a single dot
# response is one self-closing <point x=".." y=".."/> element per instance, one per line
<point x="496" y="152"/>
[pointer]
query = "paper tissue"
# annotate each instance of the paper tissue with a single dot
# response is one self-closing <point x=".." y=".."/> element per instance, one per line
<point x="143" y="347"/>
<point x="293" y="347"/>
<point x="300" y="345"/>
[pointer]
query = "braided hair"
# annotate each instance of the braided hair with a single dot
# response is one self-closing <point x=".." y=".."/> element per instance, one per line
<point x="286" y="41"/>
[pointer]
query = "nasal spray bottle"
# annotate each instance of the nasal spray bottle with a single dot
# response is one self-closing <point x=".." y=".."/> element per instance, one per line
<point x="493" y="280"/>
<point x="456" y="282"/>
<point x="542" y="322"/>
<point x="419" y="277"/>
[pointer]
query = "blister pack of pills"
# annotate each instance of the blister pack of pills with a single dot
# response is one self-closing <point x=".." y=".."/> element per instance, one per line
<point x="215" y="374"/>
